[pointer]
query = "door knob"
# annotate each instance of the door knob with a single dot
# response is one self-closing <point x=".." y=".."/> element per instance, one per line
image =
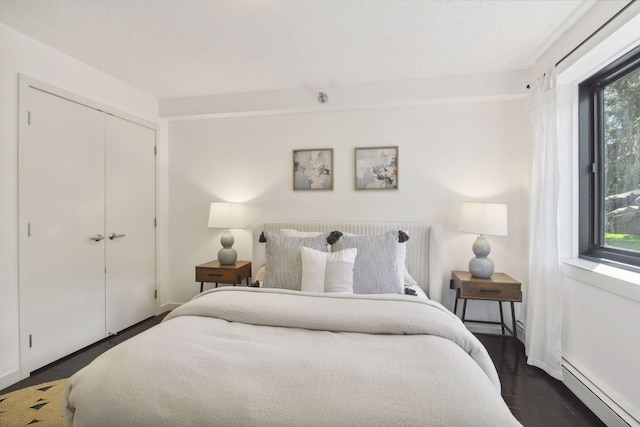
<point x="115" y="236"/>
<point x="97" y="237"/>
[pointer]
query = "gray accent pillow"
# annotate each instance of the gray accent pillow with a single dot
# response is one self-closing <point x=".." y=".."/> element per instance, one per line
<point x="283" y="262"/>
<point x="376" y="268"/>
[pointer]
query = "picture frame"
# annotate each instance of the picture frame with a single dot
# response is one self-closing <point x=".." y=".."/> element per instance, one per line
<point x="376" y="168"/>
<point x="313" y="169"/>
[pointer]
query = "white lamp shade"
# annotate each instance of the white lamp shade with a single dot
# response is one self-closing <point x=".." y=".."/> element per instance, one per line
<point x="226" y="215"/>
<point x="484" y="218"/>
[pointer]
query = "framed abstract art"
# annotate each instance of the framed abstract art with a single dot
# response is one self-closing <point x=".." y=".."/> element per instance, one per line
<point x="313" y="169"/>
<point x="376" y="168"/>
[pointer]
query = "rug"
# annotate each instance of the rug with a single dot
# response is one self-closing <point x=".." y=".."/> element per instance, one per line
<point x="39" y="405"/>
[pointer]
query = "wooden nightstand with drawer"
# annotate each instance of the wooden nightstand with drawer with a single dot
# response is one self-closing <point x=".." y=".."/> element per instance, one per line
<point x="214" y="272"/>
<point x="499" y="287"/>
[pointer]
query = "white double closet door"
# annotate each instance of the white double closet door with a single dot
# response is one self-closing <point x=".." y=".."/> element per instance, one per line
<point x="87" y="219"/>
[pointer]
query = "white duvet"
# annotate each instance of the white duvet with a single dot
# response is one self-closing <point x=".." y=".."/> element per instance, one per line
<point x="267" y="357"/>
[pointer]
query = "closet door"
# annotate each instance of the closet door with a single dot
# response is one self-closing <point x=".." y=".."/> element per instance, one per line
<point x="62" y="274"/>
<point x="130" y="216"/>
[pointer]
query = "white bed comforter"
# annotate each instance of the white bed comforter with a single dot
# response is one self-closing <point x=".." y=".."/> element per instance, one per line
<point x="268" y="357"/>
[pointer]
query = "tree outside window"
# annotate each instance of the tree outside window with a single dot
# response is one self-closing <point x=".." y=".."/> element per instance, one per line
<point x="609" y="179"/>
<point x="621" y="153"/>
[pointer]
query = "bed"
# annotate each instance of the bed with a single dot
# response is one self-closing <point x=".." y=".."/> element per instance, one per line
<point x="304" y="351"/>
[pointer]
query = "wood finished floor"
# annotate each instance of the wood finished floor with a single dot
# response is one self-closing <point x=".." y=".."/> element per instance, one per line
<point x="69" y="365"/>
<point x="534" y="398"/>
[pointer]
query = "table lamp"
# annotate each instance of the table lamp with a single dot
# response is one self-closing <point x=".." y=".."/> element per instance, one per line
<point x="226" y="215"/>
<point x="483" y="218"/>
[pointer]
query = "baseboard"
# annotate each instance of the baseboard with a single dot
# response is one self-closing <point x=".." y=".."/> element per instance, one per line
<point x="612" y="413"/>
<point x="168" y="307"/>
<point x="483" y="328"/>
<point x="520" y="327"/>
<point x="10" y="379"/>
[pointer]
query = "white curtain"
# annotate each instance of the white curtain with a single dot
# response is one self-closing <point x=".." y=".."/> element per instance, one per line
<point x="543" y="322"/>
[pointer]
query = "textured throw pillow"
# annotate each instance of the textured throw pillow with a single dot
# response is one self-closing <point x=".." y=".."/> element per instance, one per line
<point x="328" y="272"/>
<point x="283" y="265"/>
<point x="379" y="267"/>
<point x="401" y="253"/>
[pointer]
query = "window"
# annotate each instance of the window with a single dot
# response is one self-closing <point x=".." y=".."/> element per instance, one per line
<point x="610" y="163"/>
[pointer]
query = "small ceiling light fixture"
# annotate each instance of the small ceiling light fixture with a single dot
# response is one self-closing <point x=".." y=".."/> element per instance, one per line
<point x="322" y="97"/>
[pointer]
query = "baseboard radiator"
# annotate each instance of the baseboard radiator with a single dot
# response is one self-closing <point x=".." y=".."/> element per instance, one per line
<point x="611" y="412"/>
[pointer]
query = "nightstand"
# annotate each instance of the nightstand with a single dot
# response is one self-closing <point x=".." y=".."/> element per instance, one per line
<point x="499" y="287"/>
<point x="214" y="272"/>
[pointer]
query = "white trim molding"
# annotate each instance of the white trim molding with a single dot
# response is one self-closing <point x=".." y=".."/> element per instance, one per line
<point x="9" y="378"/>
<point x="170" y="306"/>
<point x="612" y="410"/>
<point x="618" y="281"/>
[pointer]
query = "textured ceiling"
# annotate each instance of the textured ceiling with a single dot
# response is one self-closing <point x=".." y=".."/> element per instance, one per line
<point x="173" y="48"/>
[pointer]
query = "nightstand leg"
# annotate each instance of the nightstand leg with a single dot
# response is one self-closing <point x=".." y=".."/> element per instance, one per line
<point x="464" y="309"/>
<point x="455" y="305"/>
<point x="201" y="286"/>
<point x="513" y="319"/>
<point x="501" y="317"/>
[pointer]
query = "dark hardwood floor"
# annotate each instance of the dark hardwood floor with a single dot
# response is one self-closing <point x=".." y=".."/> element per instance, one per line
<point x="69" y="365"/>
<point x="534" y="398"/>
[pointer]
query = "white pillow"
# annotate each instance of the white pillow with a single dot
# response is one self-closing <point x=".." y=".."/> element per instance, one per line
<point x="408" y="279"/>
<point x="260" y="275"/>
<point x="327" y="272"/>
<point x="290" y="232"/>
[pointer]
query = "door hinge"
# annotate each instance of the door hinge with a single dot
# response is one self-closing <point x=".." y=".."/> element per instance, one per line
<point x="29" y="118"/>
<point x="30" y="341"/>
<point x="29" y="230"/>
<point x="594" y="167"/>
<point x="155" y="150"/>
<point x="155" y="222"/>
<point x="155" y="294"/>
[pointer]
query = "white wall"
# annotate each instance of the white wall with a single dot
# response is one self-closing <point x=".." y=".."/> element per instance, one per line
<point x="600" y="334"/>
<point x="449" y="152"/>
<point x="601" y="304"/>
<point x="22" y="55"/>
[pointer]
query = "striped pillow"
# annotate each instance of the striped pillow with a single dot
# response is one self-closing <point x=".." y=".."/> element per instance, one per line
<point x="377" y="268"/>
<point x="283" y="262"/>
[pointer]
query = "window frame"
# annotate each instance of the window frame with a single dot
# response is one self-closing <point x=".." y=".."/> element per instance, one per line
<point x="591" y="164"/>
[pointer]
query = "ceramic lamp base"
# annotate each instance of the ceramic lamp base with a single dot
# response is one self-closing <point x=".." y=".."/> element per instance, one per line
<point x="227" y="255"/>
<point x="482" y="268"/>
